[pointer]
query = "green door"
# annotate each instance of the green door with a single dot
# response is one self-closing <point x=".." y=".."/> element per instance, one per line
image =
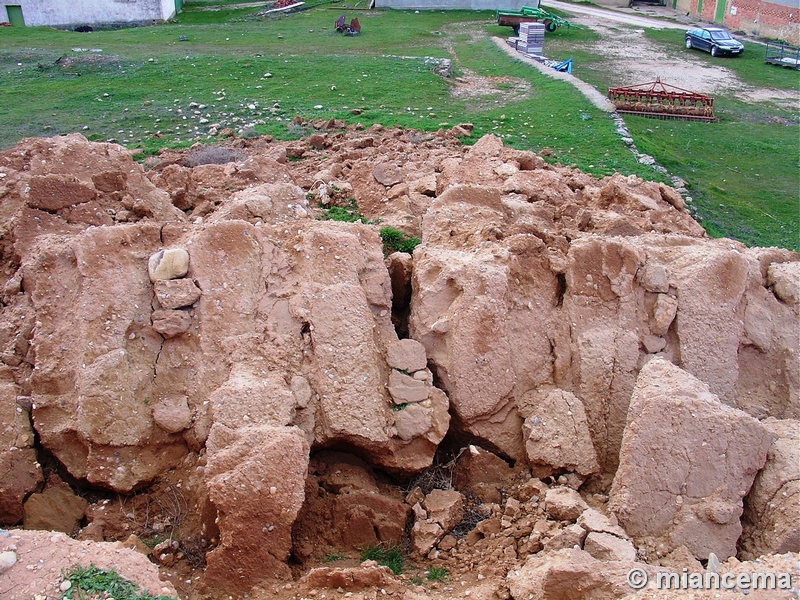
<point x="15" y="15"/>
<point x="720" y="14"/>
<point x="178" y="6"/>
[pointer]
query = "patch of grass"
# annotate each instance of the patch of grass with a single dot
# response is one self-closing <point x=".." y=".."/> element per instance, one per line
<point x="93" y="582"/>
<point x="388" y="556"/>
<point x="154" y="540"/>
<point x="395" y="240"/>
<point x="437" y="574"/>
<point x="754" y="201"/>
<point x="333" y="557"/>
<point x="346" y="214"/>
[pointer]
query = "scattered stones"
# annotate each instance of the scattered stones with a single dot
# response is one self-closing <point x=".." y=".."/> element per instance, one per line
<point x="564" y="504"/>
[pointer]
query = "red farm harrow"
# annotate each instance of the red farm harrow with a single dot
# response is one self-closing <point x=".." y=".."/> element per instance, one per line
<point x="661" y="101"/>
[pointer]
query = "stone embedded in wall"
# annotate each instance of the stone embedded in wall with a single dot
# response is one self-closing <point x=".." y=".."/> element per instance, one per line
<point x="170" y="323"/>
<point x="176" y="293"/>
<point x="407" y="355"/>
<point x="170" y="263"/>
<point x="172" y="414"/>
<point x="404" y="388"/>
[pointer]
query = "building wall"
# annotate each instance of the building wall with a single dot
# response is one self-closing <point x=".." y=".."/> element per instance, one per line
<point x="774" y="20"/>
<point x="91" y="12"/>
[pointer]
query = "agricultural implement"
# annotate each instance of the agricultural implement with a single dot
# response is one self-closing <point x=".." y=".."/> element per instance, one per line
<point x="661" y="101"/>
<point x="528" y="14"/>
<point x="351" y="28"/>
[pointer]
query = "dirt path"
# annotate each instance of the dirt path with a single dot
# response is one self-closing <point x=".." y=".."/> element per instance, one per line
<point x="621" y="15"/>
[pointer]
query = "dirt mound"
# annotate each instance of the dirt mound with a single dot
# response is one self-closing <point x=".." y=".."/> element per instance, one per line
<point x="200" y="352"/>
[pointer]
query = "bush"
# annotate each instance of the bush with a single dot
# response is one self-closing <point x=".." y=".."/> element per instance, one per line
<point x="388" y="556"/>
<point x="395" y="240"/>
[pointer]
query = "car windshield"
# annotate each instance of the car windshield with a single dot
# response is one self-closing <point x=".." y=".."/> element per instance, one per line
<point x="720" y="35"/>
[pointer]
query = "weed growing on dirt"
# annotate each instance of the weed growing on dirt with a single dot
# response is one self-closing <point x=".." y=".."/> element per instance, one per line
<point x="333" y="557"/>
<point x="93" y="582"/>
<point x="395" y="240"/>
<point x="350" y="213"/>
<point x="388" y="556"/>
<point x="437" y="574"/>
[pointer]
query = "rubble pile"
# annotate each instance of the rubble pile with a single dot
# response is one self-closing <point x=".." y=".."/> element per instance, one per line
<point x="566" y="380"/>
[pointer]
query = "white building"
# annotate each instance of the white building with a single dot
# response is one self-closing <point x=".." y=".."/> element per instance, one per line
<point x="70" y="13"/>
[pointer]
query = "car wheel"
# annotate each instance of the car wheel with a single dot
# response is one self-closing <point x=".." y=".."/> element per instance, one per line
<point x="688" y="43"/>
<point x="714" y="51"/>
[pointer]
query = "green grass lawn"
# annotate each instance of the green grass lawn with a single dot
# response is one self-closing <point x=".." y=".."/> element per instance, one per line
<point x="166" y="85"/>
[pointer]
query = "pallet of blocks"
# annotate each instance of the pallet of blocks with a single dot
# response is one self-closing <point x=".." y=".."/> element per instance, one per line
<point x="530" y="40"/>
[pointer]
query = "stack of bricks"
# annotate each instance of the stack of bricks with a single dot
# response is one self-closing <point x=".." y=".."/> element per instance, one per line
<point x="531" y="39"/>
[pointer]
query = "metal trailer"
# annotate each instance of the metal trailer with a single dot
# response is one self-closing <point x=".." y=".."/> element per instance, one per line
<point x="782" y="55"/>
